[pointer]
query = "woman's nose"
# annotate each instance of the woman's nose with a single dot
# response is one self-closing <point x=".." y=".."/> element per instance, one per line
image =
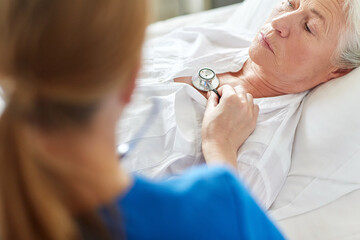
<point x="282" y="25"/>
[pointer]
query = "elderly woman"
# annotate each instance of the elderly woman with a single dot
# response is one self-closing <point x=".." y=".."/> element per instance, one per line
<point x="303" y="44"/>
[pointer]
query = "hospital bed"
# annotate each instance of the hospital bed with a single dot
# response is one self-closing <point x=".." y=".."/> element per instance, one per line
<point x="321" y="196"/>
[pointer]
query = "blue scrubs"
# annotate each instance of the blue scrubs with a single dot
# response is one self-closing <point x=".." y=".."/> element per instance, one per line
<point x="204" y="203"/>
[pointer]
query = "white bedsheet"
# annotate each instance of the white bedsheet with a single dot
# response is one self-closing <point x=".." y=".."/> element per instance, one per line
<point x="339" y="218"/>
<point x="173" y="143"/>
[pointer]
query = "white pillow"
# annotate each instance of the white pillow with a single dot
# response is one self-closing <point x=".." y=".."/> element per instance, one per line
<point x="252" y="14"/>
<point x="327" y="143"/>
<point x="326" y="151"/>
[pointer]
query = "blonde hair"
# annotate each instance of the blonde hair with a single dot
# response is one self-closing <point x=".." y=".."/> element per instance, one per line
<point x="58" y="59"/>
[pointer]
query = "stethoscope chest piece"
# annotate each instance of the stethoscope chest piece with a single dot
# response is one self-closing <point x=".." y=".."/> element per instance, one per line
<point x="206" y="80"/>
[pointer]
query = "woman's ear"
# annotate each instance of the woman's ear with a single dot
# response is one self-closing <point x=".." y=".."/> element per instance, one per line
<point x="339" y="72"/>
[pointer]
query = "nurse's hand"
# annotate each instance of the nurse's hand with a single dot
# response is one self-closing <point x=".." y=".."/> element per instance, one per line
<point x="227" y="124"/>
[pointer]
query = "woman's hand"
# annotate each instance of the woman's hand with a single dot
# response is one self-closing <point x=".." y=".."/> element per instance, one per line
<point x="227" y="124"/>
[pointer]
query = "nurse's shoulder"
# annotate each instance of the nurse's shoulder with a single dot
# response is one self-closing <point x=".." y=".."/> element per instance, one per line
<point x="204" y="203"/>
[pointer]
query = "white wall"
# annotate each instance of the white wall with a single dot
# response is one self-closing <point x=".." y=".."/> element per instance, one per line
<point x="196" y="5"/>
<point x="163" y="9"/>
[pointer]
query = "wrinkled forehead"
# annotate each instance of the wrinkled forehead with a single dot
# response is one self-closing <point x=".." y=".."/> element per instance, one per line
<point x="329" y="9"/>
<point x="333" y="11"/>
<point x="331" y="14"/>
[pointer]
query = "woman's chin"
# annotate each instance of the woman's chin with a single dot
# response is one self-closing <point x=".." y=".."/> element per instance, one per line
<point x="259" y="56"/>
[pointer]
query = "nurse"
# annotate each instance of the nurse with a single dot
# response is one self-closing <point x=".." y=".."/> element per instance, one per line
<point x="68" y="69"/>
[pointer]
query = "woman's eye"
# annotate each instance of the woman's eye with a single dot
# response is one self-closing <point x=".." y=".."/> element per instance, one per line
<point x="290" y="4"/>
<point x="307" y="28"/>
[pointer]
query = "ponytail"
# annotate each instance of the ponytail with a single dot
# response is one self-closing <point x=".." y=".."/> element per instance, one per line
<point x="34" y="188"/>
<point x="25" y="212"/>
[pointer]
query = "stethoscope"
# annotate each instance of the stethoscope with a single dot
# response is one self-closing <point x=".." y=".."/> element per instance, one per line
<point x="206" y="80"/>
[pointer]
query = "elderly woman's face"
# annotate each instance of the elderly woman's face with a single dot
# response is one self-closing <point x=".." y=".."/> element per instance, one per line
<point x="298" y="41"/>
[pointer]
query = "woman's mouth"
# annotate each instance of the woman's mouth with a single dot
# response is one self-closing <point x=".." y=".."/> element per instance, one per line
<point x="265" y="42"/>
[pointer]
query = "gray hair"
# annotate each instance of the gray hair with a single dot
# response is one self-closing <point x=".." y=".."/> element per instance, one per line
<point x="348" y="52"/>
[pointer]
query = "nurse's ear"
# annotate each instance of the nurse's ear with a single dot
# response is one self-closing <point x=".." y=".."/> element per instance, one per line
<point x="127" y="89"/>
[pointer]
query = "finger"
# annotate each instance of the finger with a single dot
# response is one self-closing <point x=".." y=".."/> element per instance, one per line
<point x="212" y="101"/>
<point x="256" y="110"/>
<point x="250" y="101"/>
<point x="216" y="92"/>
<point x="226" y="90"/>
<point x="220" y="90"/>
<point x="239" y="90"/>
<point x="250" y="98"/>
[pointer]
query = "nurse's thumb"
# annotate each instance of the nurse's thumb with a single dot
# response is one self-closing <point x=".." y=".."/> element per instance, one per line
<point x="213" y="99"/>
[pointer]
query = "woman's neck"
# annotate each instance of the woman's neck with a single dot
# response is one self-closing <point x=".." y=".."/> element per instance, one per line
<point x="252" y="80"/>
